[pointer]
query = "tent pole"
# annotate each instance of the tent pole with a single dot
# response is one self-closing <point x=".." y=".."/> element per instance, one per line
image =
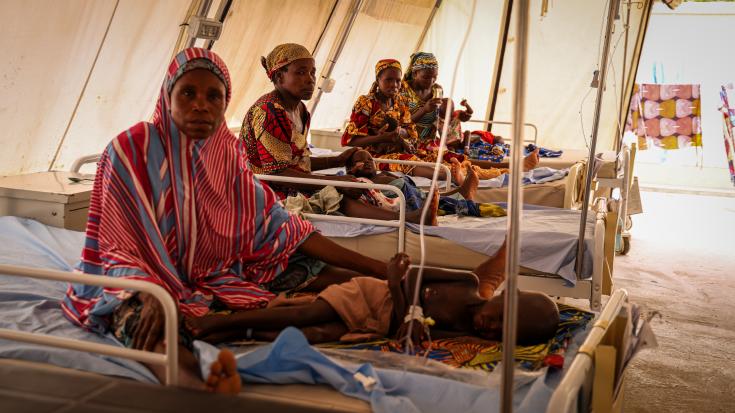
<point x="620" y="129"/>
<point x="635" y="61"/>
<point x="593" y="144"/>
<point x="499" y="58"/>
<point x="336" y="51"/>
<point x="427" y="26"/>
<point x="515" y="206"/>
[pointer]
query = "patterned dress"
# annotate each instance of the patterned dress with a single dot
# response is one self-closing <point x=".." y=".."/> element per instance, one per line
<point x="273" y="145"/>
<point x="368" y="116"/>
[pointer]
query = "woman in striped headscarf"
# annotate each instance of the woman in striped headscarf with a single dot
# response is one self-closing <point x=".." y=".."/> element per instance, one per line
<point x="175" y="204"/>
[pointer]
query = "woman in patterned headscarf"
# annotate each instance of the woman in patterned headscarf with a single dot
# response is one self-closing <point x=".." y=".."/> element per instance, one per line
<point x="381" y="123"/>
<point x="424" y="98"/>
<point x="274" y="131"/>
<point x="175" y="204"/>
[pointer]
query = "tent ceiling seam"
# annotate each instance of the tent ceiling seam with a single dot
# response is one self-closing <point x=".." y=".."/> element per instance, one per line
<point x="84" y="89"/>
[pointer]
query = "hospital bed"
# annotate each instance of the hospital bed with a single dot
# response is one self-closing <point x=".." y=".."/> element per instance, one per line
<point x="36" y="372"/>
<point x="383" y="239"/>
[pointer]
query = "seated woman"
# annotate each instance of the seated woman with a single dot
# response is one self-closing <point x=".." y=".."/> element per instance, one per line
<point x="458" y="201"/>
<point x="175" y="204"/>
<point x="275" y="127"/>
<point x="424" y="98"/>
<point x="459" y="304"/>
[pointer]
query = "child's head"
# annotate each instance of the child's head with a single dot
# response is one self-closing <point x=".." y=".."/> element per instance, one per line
<point x="361" y="165"/>
<point x="292" y="70"/>
<point x="387" y="77"/>
<point x="537" y="321"/>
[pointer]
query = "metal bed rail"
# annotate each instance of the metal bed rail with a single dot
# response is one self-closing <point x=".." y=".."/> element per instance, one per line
<point x="171" y="357"/>
<point x="447" y="171"/>
<point x="566" y="397"/>
<point x="400" y="224"/>
<point x="502" y="122"/>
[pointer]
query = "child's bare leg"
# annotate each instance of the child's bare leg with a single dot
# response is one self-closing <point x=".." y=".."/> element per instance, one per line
<point x="492" y="272"/>
<point x="222" y="378"/>
<point x="324" y="333"/>
<point x="276" y="318"/>
<point x="354" y="208"/>
<point x="330" y="275"/>
<point x="427" y="172"/>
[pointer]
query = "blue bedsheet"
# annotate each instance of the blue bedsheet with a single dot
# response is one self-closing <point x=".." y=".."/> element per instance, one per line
<point x="33" y="305"/>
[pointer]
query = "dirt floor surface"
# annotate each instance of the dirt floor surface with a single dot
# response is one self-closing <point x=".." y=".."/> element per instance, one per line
<point x="682" y="264"/>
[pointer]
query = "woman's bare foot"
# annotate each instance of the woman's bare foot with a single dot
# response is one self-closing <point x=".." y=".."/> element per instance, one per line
<point x="492" y="273"/>
<point x="456" y="169"/>
<point x="223" y="376"/>
<point x="531" y="161"/>
<point x="468" y="189"/>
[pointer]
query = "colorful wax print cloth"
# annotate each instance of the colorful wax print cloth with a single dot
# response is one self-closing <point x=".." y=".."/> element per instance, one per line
<point x="454" y="204"/>
<point x="273" y="144"/>
<point x="468" y="352"/>
<point x="728" y="129"/>
<point x="666" y="116"/>
<point x="186" y="214"/>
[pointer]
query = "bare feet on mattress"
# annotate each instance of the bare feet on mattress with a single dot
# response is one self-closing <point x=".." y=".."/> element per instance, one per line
<point x="223" y="376"/>
<point x="456" y="169"/>
<point x="531" y="161"/>
<point x="491" y="273"/>
<point x="468" y="189"/>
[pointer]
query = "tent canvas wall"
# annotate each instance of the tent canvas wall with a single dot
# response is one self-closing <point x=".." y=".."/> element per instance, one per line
<point x="80" y="71"/>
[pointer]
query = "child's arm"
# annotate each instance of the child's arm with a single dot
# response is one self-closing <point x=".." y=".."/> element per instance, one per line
<point x="466" y="114"/>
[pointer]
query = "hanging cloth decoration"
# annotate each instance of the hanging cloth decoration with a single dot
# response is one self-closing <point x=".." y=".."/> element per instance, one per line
<point x="666" y="116"/>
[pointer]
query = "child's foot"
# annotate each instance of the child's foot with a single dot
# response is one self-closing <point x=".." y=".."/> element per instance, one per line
<point x="469" y="187"/>
<point x="223" y="376"/>
<point x="457" y="174"/>
<point x="492" y="273"/>
<point x="531" y="161"/>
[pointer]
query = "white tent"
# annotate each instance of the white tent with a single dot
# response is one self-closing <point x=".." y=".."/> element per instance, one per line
<point x="80" y="71"/>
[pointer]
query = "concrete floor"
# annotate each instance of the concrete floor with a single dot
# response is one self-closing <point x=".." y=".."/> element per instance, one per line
<point x="682" y="264"/>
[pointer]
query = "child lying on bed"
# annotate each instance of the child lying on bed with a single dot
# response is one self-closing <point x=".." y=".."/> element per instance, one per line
<point x="457" y="201"/>
<point x="460" y="304"/>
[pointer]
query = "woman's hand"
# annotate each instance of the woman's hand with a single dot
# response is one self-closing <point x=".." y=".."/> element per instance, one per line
<point x="345" y="156"/>
<point x="431" y="105"/>
<point x="150" y="326"/>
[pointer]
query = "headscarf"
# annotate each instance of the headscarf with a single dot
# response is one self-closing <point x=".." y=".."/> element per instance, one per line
<point x="386" y="63"/>
<point x="186" y="214"/>
<point x="420" y="60"/>
<point x="282" y="56"/>
<point x="382" y="65"/>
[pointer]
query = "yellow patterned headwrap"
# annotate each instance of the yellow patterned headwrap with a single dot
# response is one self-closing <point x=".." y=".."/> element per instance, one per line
<point x="386" y="63"/>
<point x="283" y="55"/>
